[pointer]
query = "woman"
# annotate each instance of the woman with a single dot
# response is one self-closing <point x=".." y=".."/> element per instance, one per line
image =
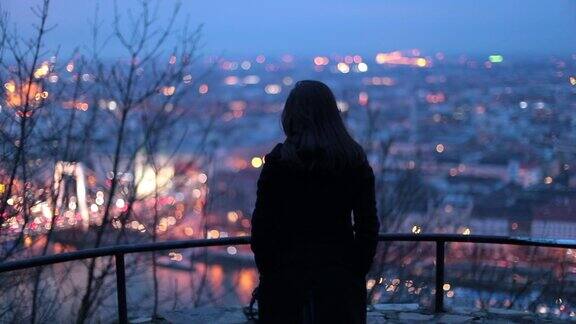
<point x="311" y="254"/>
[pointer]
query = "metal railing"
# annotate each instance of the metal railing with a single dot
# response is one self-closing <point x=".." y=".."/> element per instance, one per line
<point x="119" y="251"/>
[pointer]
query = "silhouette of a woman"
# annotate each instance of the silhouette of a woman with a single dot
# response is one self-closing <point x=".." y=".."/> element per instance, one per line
<point x="311" y="253"/>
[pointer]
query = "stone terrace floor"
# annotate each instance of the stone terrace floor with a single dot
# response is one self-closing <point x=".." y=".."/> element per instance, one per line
<point x="380" y="313"/>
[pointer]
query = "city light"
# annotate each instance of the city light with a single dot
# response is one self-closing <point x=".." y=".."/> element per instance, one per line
<point x="213" y="234"/>
<point x="245" y="65"/>
<point x="203" y="89"/>
<point x="273" y="89"/>
<point x="343" y="106"/>
<point x="398" y="58"/>
<point x="42" y="71"/>
<point x="363" y="98"/>
<point x="436" y="98"/>
<point x="120" y="203"/>
<point x="321" y="60"/>
<point x="496" y="58"/>
<point x="256" y="162"/>
<point x="29" y="92"/>
<point x="260" y="59"/>
<point x="202" y="178"/>
<point x="251" y="79"/>
<point x="232" y="216"/>
<point x="343" y="67"/>
<point x="188" y="231"/>
<point x="168" y="91"/>
<point x="523" y="104"/>
<point x="231" y="80"/>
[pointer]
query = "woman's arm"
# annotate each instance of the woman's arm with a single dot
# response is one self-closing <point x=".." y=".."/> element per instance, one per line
<point x="263" y="228"/>
<point x="366" y="224"/>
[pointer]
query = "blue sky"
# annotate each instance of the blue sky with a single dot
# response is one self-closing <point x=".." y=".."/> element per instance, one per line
<point x="249" y="27"/>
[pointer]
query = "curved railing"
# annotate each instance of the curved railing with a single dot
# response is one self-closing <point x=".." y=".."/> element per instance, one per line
<point x="119" y="251"/>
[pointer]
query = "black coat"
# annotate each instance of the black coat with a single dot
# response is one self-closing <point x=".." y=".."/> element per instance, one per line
<point x="311" y="253"/>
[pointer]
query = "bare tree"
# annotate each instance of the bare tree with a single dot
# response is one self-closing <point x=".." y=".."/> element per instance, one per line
<point x="73" y="122"/>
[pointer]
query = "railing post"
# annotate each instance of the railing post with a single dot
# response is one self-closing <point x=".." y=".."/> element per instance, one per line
<point x="121" y="288"/>
<point x="439" y="301"/>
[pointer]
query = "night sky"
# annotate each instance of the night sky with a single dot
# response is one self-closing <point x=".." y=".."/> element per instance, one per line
<point x="305" y="27"/>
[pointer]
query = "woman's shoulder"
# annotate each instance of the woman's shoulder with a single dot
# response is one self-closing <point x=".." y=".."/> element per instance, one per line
<point x="275" y="154"/>
<point x="270" y="168"/>
<point x="272" y="160"/>
<point x="363" y="170"/>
